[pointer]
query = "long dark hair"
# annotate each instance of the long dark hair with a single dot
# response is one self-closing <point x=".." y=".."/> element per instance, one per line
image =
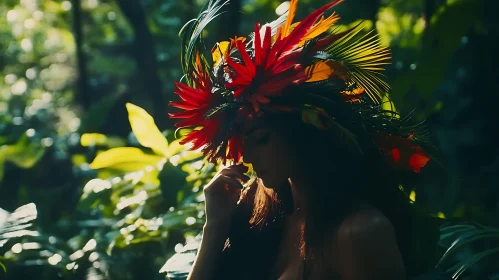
<point x="345" y="171"/>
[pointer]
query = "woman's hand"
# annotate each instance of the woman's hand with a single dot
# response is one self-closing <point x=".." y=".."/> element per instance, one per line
<point x="222" y="194"/>
<point x="221" y="198"/>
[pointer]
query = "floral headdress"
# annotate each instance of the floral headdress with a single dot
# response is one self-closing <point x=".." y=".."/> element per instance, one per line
<point x="304" y="67"/>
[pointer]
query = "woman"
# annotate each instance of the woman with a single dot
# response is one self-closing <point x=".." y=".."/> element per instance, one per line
<point x="304" y="107"/>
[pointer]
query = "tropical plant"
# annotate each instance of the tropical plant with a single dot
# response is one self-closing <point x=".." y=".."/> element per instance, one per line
<point x="473" y="252"/>
<point x="16" y="225"/>
<point x="143" y="202"/>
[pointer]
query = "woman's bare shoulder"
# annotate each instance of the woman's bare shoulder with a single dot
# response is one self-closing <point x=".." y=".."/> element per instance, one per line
<point x="366" y="247"/>
<point x="365" y="221"/>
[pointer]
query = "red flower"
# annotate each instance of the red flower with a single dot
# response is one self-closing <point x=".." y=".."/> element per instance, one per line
<point x="274" y="67"/>
<point x="195" y="103"/>
<point x="401" y="152"/>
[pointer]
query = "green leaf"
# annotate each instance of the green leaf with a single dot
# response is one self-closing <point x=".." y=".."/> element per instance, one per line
<point x="388" y="106"/>
<point x="124" y="158"/>
<point x="17" y="223"/>
<point x="364" y="57"/>
<point x="467" y="240"/>
<point x="473" y="260"/>
<point x="440" y="45"/>
<point x="190" y="156"/>
<point x="93" y="139"/>
<point x="437" y="49"/>
<point x="146" y="131"/>
<point x="23" y="154"/>
<point x="467" y="234"/>
<point x="175" y="148"/>
<point x="151" y="178"/>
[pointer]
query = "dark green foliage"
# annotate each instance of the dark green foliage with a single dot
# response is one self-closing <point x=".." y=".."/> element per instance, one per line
<point x="122" y="218"/>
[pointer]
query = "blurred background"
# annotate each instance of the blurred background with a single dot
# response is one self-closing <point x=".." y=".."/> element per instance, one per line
<point x="93" y="188"/>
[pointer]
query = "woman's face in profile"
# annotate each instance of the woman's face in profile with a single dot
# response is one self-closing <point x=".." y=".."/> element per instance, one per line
<point x="268" y="149"/>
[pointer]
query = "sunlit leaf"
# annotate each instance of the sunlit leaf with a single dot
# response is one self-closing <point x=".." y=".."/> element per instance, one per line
<point x="127" y="158"/>
<point x="180" y="265"/>
<point x="412" y="196"/>
<point x="190" y="156"/>
<point x="364" y="57"/>
<point x="219" y="50"/>
<point x="17" y="223"/>
<point x="151" y="178"/>
<point x="388" y="106"/>
<point x="24" y="154"/>
<point x="92" y="139"/>
<point x="146" y="131"/>
<point x="78" y="159"/>
<point x="97" y="139"/>
<point x="175" y="148"/>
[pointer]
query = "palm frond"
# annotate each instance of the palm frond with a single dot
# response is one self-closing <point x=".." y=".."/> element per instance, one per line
<point x="364" y="58"/>
<point x="180" y="264"/>
<point x="191" y="35"/>
<point x="467" y="235"/>
<point x="473" y="260"/>
<point x="16" y="224"/>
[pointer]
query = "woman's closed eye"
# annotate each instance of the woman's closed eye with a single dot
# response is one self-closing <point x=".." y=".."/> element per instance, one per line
<point x="258" y="137"/>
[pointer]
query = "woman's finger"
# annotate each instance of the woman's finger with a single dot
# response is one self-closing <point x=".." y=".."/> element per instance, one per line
<point x="231" y="181"/>
<point x="234" y="173"/>
<point x="221" y="182"/>
<point x="239" y="167"/>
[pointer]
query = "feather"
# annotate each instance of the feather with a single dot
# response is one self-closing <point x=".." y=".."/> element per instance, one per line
<point x="289" y="19"/>
<point x="322" y="26"/>
<point x="274" y="25"/>
<point x="290" y="41"/>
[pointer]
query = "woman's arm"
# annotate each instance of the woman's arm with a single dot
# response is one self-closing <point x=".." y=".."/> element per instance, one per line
<point x="222" y="194"/>
<point x="209" y="253"/>
<point x="367" y="248"/>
